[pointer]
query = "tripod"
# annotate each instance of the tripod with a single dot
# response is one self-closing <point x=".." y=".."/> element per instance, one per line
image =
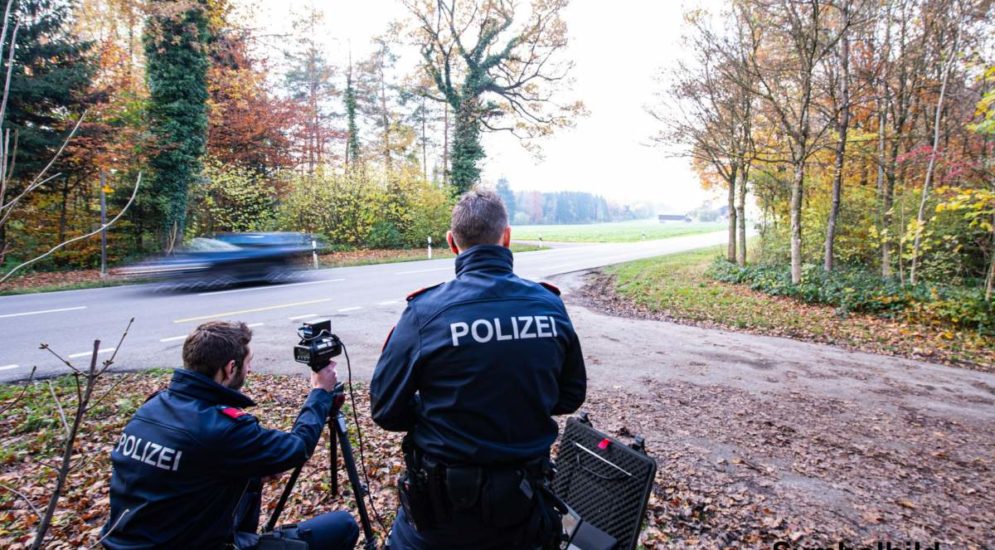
<point x="336" y="431"/>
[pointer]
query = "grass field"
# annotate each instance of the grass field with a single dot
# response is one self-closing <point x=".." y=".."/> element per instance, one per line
<point x="678" y="287"/>
<point x="617" y="232"/>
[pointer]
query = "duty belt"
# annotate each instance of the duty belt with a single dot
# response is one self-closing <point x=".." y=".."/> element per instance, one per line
<point x="456" y="488"/>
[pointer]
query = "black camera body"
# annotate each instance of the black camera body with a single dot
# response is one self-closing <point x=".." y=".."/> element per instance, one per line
<point x="318" y="345"/>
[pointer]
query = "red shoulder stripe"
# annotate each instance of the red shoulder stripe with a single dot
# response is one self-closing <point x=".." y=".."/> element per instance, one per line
<point x="233" y="412"/>
<point x="387" y="339"/>
<point x="550" y="287"/>
<point x="421" y="291"/>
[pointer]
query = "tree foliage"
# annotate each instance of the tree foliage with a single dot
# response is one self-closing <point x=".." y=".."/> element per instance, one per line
<point x="176" y="50"/>
<point x="366" y="209"/>
<point x="868" y="151"/>
<point x="497" y="72"/>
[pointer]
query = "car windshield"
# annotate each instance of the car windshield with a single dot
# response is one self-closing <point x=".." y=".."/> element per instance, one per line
<point x="209" y="245"/>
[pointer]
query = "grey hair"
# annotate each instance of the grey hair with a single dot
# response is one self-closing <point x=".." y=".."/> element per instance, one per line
<point x="479" y="217"/>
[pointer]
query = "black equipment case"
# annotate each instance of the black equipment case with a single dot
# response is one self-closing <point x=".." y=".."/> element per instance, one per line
<point x="606" y="481"/>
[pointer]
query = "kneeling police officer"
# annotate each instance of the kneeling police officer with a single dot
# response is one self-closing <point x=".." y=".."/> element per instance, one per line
<point x="474" y="371"/>
<point x="188" y="466"/>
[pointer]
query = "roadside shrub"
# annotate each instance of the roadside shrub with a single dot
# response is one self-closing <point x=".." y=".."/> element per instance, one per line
<point x="384" y="234"/>
<point x="230" y="199"/>
<point x="855" y="290"/>
<point x="366" y="209"/>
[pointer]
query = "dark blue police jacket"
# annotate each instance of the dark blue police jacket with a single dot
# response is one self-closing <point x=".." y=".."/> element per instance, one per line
<point x="476" y="367"/>
<point x="189" y="456"/>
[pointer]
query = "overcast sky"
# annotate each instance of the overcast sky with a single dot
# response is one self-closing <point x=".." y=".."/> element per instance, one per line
<point x="618" y="47"/>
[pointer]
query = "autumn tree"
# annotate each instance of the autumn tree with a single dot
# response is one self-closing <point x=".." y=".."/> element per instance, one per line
<point x="795" y="37"/>
<point x="176" y="50"/>
<point x="50" y="87"/>
<point x="309" y="83"/>
<point x="709" y="114"/>
<point x="496" y="71"/>
<point x="247" y="126"/>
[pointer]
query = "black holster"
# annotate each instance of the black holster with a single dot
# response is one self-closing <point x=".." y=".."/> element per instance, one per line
<point x="501" y="496"/>
<point x="413" y="489"/>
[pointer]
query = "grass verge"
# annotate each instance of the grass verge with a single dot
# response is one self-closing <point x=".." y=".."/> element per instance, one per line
<point x="369" y="257"/>
<point x="618" y="232"/>
<point x="677" y="288"/>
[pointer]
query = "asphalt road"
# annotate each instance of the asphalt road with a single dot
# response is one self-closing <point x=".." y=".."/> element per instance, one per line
<point x="363" y="303"/>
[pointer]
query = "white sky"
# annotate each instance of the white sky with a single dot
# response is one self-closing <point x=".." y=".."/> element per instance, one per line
<point x="617" y="48"/>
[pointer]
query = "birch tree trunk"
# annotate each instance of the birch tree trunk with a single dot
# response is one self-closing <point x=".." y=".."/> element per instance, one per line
<point x="921" y="216"/>
<point x="731" y="247"/>
<point x="842" y="127"/>
<point x="796" y="221"/>
<point x="741" y="215"/>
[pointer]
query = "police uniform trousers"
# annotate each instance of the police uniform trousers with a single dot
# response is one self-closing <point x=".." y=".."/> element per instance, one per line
<point x="331" y="531"/>
<point x="464" y="531"/>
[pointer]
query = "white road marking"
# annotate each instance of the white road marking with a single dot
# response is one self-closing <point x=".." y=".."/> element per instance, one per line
<point x="305" y="316"/>
<point x="42" y="311"/>
<point x="254" y="310"/>
<point x="389" y="303"/>
<point x="86" y="353"/>
<point x="424" y="271"/>
<point x="9" y="367"/>
<point x="345" y="309"/>
<point x="254" y="325"/>
<point x="270" y="287"/>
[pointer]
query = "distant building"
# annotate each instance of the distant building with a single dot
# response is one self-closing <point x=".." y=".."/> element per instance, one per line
<point x="664" y="218"/>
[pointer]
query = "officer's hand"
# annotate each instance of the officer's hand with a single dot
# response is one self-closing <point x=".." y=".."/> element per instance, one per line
<point x="326" y="378"/>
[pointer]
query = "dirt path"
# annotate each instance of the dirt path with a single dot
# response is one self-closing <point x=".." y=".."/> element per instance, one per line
<point x="761" y="439"/>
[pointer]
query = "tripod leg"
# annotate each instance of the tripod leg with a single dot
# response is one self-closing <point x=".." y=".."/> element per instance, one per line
<point x="357" y="486"/>
<point x="271" y="524"/>
<point x="333" y="452"/>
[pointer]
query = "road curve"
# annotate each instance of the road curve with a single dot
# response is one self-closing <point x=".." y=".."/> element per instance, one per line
<point x="363" y="303"/>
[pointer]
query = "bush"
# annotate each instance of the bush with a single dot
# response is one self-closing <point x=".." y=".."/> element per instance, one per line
<point x="365" y="209"/>
<point x="384" y="234"/>
<point x="855" y="290"/>
<point x="230" y="199"/>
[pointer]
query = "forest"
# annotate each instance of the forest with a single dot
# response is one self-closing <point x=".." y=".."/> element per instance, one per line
<point x="863" y="131"/>
<point x="216" y="125"/>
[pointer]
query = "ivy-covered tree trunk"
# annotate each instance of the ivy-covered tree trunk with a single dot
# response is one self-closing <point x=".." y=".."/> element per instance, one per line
<point x="176" y="40"/>
<point x="467" y="150"/>
<point x="352" y="145"/>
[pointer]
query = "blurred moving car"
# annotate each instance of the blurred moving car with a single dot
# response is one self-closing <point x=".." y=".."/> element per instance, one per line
<point x="276" y="239"/>
<point x="228" y="259"/>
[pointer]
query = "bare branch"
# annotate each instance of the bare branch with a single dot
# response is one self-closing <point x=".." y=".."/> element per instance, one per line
<point x="58" y="406"/>
<point x="10" y="62"/>
<point x="110" y="390"/>
<point x="20" y="396"/>
<point x="23" y="497"/>
<point x="110" y="361"/>
<point x="55" y="157"/>
<point x="111" y="530"/>
<point x="48" y="348"/>
<point x="81" y="237"/>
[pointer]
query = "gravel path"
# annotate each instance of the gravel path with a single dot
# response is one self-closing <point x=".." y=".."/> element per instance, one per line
<point x="761" y="439"/>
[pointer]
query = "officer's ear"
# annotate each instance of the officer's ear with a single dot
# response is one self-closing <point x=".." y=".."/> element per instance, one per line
<point x="226" y="372"/>
<point x="452" y="242"/>
<point x="506" y="237"/>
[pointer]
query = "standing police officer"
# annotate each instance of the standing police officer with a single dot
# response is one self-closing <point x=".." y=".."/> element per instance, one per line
<point x="474" y="371"/>
<point x="187" y="467"/>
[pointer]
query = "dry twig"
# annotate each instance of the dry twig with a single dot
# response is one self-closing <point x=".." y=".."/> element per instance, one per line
<point x="24" y="390"/>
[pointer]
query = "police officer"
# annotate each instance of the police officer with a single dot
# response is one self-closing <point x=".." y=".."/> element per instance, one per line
<point x="474" y="371"/>
<point x="187" y="467"/>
